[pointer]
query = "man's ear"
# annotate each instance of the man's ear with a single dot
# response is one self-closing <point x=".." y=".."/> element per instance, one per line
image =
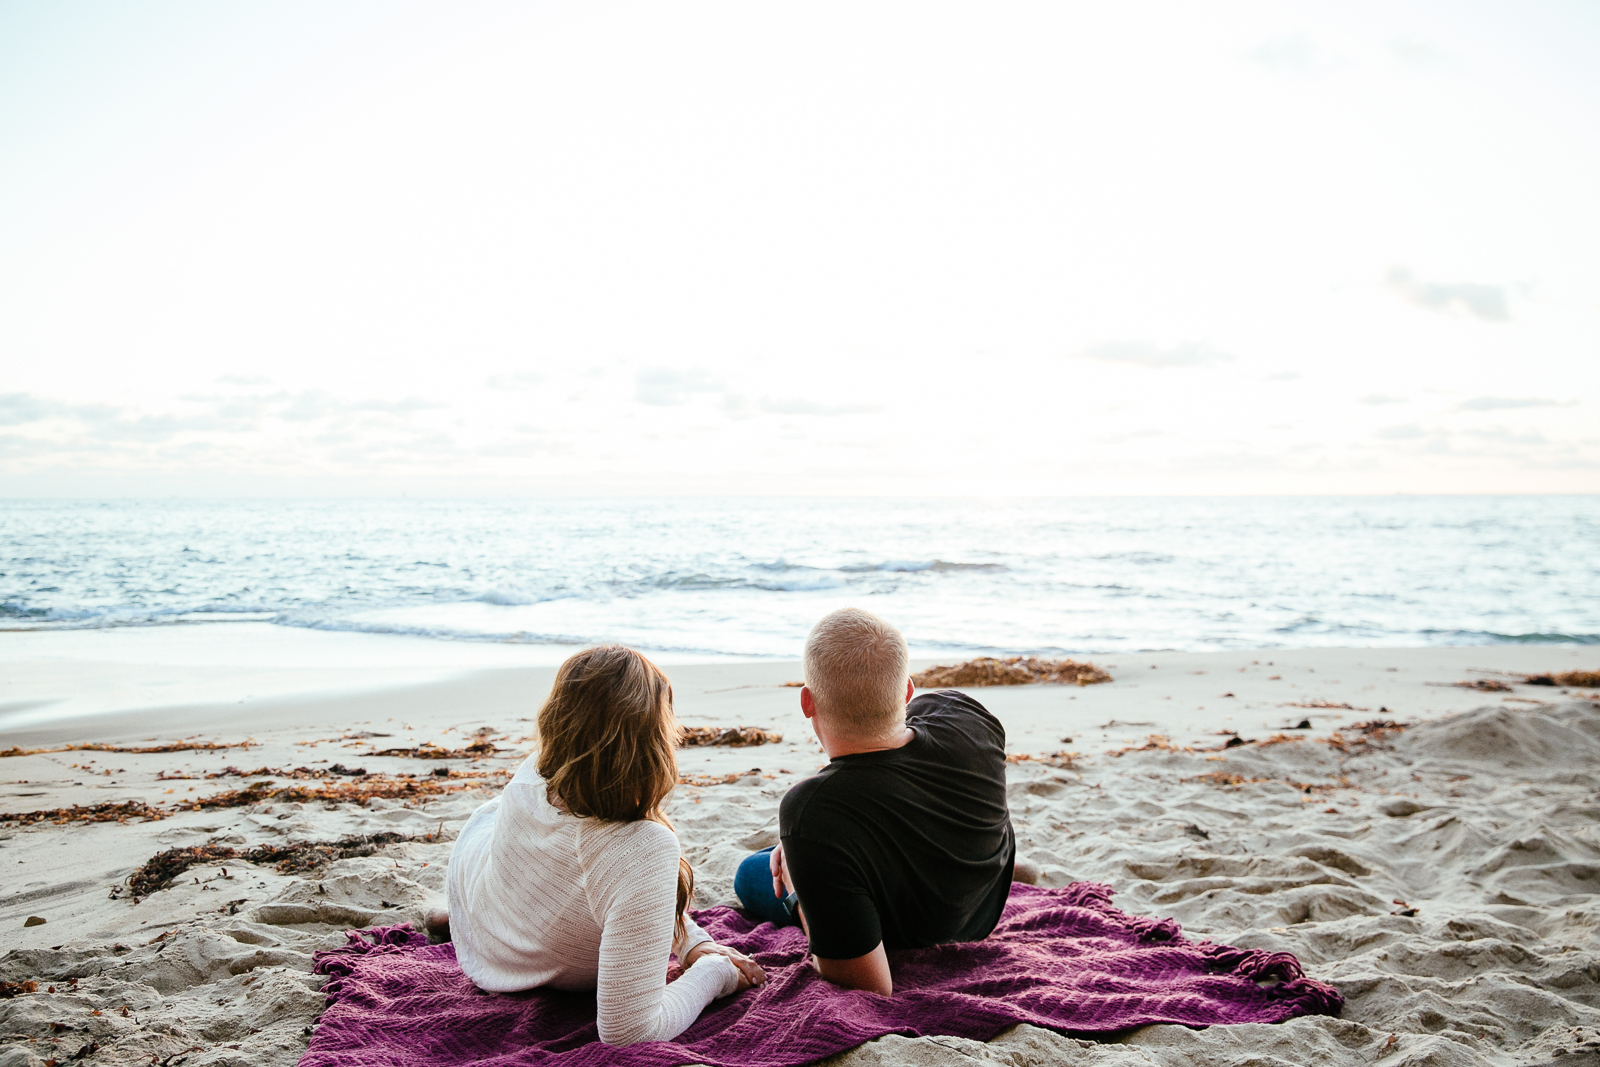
<point x="911" y="689"/>
<point x="808" y="703"/>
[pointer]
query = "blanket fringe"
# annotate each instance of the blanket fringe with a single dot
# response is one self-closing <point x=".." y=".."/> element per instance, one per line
<point x="1306" y="995"/>
<point x="338" y="963"/>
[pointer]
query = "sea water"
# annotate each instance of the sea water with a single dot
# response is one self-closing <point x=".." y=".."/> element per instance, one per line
<point x="748" y="577"/>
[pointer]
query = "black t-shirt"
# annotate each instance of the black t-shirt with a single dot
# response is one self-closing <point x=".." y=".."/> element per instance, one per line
<point x="911" y="847"/>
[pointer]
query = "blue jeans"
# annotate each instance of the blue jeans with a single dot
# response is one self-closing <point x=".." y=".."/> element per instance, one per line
<point x="753" y="883"/>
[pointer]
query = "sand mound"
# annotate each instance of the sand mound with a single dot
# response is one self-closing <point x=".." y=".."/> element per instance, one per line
<point x="1566" y="738"/>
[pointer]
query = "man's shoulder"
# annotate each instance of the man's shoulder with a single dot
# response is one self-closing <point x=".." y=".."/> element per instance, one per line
<point x="961" y="711"/>
<point x="792" y="808"/>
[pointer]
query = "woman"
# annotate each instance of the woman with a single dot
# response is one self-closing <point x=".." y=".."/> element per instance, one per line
<point x="573" y="878"/>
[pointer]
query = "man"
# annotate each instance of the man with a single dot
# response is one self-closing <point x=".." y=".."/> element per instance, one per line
<point x="904" y="839"/>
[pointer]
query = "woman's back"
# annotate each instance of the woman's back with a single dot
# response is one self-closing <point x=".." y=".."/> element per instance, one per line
<point x="539" y="897"/>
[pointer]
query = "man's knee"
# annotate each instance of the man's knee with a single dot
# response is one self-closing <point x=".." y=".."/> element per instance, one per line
<point x="754" y="876"/>
<point x="752" y="884"/>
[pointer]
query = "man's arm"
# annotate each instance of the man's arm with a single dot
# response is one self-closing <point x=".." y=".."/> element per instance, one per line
<point x="869" y="972"/>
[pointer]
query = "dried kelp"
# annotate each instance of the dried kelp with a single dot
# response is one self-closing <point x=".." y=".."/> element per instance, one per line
<point x="1225" y="778"/>
<point x="1482" y="685"/>
<point x="1579" y="679"/>
<point x="16" y="989"/>
<point x="719" y="779"/>
<point x="1325" y="705"/>
<point x="337" y="770"/>
<point x="1155" y="743"/>
<point x="111" y="811"/>
<point x="160" y="870"/>
<point x="1230" y="778"/>
<point x="357" y="791"/>
<point x="732" y="736"/>
<point x="1063" y="759"/>
<point x="1016" y="670"/>
<point x="481" y="749"/>
<point x="138" y="750"/>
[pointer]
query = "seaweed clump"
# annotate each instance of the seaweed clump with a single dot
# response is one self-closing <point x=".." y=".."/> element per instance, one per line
<point x="1579" y="679"/>
<point x="112" y="811"/>
<point x="1014" y="670"/>
<point x="1370" y="734"/>
<point x="160" y="870"/>
<point x="732" y="736"/>
<point x="1489" y="685"/>
<point x="357" y="791"/>
<point x="1062" y="759"/>
<point x="138" y="750"/>
<point x="480" y="749"/>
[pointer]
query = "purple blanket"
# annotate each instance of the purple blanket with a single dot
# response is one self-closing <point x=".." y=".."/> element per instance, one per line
<point x="1060" y="958"/>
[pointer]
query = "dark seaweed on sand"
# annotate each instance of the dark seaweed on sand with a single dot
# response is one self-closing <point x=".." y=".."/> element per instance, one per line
<point x="733" y="736"/>
<point x="1015" y="670"/>
<point x="118" y="811"/>
<point x="138" y="750"/>
<point x="480" y="749"/>
<point x="1578" y="679"/>
<point x="160" y="870"/>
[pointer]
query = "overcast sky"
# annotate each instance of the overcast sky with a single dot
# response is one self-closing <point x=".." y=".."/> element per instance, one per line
<point x="490" y="249"/>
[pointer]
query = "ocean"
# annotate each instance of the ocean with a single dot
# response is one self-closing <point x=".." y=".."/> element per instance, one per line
<point x="748" y="577"/>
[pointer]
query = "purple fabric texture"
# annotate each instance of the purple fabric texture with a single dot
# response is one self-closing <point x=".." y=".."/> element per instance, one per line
<point x="1060" y="958"/>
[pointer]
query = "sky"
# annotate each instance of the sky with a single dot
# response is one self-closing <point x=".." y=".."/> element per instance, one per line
<point x="264" y="249"/>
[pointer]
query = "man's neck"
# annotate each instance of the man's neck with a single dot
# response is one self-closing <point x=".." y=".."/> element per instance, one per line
<point x="853" y="746"/>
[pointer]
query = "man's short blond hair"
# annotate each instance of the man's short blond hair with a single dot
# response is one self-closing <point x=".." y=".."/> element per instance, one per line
<point x="856" y="668"/>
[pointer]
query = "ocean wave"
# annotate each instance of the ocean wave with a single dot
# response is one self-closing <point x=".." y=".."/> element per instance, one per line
<point x="914" y="566"/>
<point x="508" y="594"/>
<point x="1481" y="637"/>
<point x="808" y="584"/>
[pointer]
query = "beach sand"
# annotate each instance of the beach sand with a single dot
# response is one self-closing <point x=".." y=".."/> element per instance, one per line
<point x="1442" y="876"/>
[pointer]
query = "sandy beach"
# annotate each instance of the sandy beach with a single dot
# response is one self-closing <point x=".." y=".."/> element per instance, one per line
<point x="1439" y="869"/>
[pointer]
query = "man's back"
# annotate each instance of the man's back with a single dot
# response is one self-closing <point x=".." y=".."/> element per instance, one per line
<point x="911" y="846"/>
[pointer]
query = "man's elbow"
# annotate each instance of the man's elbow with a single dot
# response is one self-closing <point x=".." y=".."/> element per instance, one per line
<point x="869" y="973"/>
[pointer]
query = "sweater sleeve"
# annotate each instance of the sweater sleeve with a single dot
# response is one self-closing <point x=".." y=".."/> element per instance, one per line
<point x="692" y="935"/>
<point x="632" y="889"/>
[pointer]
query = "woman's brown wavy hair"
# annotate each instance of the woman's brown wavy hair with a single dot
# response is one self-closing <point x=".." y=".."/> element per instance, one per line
<point x="608" y="743"/>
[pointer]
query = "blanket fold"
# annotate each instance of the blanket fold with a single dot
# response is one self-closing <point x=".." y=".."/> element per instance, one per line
<point x="1061" y="958"/>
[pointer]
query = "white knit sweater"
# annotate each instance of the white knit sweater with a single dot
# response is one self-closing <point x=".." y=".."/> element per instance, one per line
<point x="539" y="897"/>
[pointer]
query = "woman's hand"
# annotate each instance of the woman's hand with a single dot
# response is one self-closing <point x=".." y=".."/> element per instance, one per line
<point x="750" y="972"/>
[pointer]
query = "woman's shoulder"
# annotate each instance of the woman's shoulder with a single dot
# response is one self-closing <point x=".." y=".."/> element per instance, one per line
<point x="642" y="840"/>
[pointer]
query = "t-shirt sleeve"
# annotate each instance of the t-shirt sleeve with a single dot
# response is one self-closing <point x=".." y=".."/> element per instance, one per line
<point x="840" y="916"/>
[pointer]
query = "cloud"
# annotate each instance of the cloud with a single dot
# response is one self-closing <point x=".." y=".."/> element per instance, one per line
<point x="665" y="387"/>
<point x="1416" y="54"/>
<point x="1294" y="54"/>
<point x="1506" y="403"/>
<point x="810" y="407"/>
<point x="155" y="428"/>
<point x="1409" y="431"/>
<point x="1487" y="302"/>
<point x="515" y="383"/>
<point x="1379" y="399"/>
<point x="17" y="409"/>
<point x="1144" y="354"/>
<point x="241" y="379"/>
<point x="314" y="404"/>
